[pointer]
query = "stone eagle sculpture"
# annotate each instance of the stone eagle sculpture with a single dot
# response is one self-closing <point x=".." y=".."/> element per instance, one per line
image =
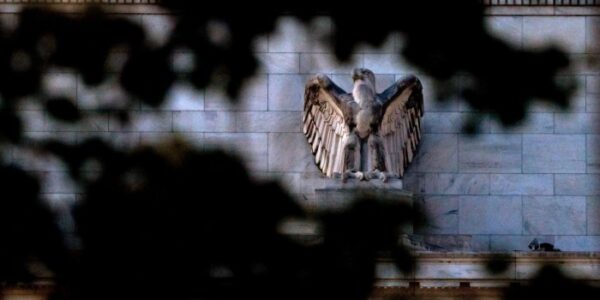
<point x="363" y="134"/>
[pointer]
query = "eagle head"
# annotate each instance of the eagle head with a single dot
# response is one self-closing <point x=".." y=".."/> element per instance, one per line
<point x="363" y="74"/>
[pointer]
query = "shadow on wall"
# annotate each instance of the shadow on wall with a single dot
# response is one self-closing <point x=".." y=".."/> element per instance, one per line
<point x="154" y="222"/>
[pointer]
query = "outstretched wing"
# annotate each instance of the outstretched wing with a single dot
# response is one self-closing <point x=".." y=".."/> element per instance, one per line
<point x="326" y="109"/>
<point x="400" y="127"/>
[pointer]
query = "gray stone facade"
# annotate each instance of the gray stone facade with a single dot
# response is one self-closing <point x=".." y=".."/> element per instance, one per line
<point x="493" y="191"/>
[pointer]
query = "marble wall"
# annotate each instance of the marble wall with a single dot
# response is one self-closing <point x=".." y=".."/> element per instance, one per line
<point x="493" y="191"/>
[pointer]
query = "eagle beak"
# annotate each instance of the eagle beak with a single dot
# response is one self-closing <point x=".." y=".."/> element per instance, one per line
<point x="357" y="74"/>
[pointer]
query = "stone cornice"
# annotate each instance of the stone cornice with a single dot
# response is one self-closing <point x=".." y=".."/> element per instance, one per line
<point x="529" y="3"/>
<point x="146" y="2"/>
<point x="70" y="2"/>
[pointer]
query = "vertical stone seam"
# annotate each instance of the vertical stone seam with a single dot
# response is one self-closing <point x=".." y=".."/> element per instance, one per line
<point x="522" y="216"/>
<point x="522" y="41"/>
<point x="554" y="122"/>
<point x="204" y="99"/>
<point x="585" y="36"/>
<point x="172" y="121"/>
<point x="586" y="215"/>
<point x="458" y="154"/>
<point x="522" y="149"/>
<point x="269" y="88"/>
<point x="299" y="55"/>
<point x="553" y="184"/>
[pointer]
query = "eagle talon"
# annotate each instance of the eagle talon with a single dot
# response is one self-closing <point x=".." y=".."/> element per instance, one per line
<point x="353" y="174"/>
<point x="376" y="174"/>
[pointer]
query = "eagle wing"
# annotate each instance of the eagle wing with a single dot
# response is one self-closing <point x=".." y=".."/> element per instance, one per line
<point x="400" y="127"/>
<point x="327" y="111"/>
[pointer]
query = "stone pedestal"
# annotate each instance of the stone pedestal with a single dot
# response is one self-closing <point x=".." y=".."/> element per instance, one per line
<point x="339" y="195"/>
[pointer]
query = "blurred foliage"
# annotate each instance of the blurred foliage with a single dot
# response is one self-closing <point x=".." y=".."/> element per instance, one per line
<point x="154" y="222"/>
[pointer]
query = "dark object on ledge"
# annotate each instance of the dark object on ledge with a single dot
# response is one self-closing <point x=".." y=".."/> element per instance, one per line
<point x="536" y="246"/>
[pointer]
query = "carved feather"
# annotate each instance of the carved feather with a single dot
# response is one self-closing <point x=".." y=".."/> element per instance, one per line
<point x="400" y="128"/>
<point x="324" y="126"/>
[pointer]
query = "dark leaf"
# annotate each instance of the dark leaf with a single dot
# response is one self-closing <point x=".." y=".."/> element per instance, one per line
<point x="63" y="109"/>
<point x="10" y="126"/>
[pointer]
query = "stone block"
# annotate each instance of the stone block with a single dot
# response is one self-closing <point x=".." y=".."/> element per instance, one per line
<point x="144" y="122"/>
<point x="194" y="139"/>
<point x="490" y="215"/>
<point x="387" y="64"/>
<point x="95" y="122"/>
<point x="383" y="81"/>
<point x="490" y="153"/>
<point x="593" y="215"/>
<point x="578" y="243"/>
<point x="592" y="103"/>
<point x="31" y="160"/>
<point x="577" y="184"/>
<point x="592" y="27"/>
<point x="289" y="152"/>
<point x="534" y="123"/>
<point x="577" y="100"/>
<point x="442" y="215"/>
<point x="577" y="123"/>
<point x="411" y="180"/>
<point x="389" y="270"/>
<point x="109" y="93"/>
<point x="286" y="92"/>
<point x="183" y="97"/>
<point x="312" y="180"/>
<point x="269" y="121"/>
<point x="553" y="153"/>
<point x="437" y="153"/>
<point x="521" y="184"/>
<point x="521" y="10"/>
<point x="454" y="184"/>
<point x="204" y="121"/>
<point x="593" y="153"/>
<point x="460" y="270"/>
<point x="442" y="122"/>
<point x="253" y="96"/>
<point x="507" y="28"/>
<point x="592" y="84"/>
<point x="120" y="140"/>
<point x="345" y="81"/>
<point x="342" y="196"/>
<point x="292" y="36"/>
<point x="462" y="243"/>
<point x="312" y="63"/>
<point x="584" y="64"/>
<point x="554" y="215"/>
<point x="279" y="63"/>
<point x="251" y="147"/>
<point x="568" y="33"/>
<point x="577" y="10"/>
<point x="430" y="94"/>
